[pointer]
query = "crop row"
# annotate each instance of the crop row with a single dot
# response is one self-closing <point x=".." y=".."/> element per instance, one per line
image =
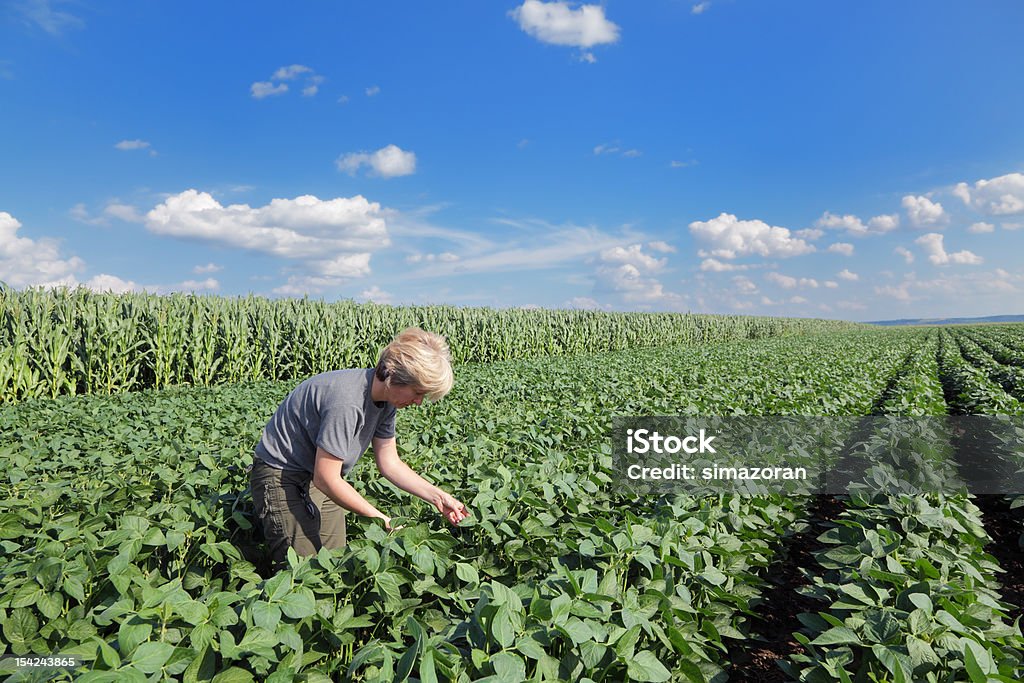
<point x="63" y="342"/>
<point x="125" y="510"/>
<point x="911" y="593"/>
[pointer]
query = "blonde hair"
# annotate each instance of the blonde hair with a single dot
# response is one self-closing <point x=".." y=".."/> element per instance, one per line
<point x="417" y="358"/>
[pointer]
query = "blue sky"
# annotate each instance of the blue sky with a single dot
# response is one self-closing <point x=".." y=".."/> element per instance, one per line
<point x="861" y="160"/>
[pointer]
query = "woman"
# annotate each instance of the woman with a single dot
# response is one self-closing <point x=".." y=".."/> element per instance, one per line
<point x="323" y="427"/>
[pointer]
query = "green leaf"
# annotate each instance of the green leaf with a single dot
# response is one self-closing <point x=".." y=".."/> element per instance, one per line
<point x="501" y="627"/>
<point x="977" y="661"/>
<point x="837" y="635"/>
<point x="233" y="675"/>
<point x="467" y="573"/>
<point x="299" y="604"/>
<point x="530" y="647"/>
<point x="644" y="666"/>
<point x="150" y="657"/>
<point x="202" y="668"/>
<point x="509" y="667"/>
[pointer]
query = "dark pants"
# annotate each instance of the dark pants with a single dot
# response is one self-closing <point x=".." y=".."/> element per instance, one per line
<point x="294" y="513"/>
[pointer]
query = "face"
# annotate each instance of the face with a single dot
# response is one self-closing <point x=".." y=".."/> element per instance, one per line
<point x="403" y="396"/>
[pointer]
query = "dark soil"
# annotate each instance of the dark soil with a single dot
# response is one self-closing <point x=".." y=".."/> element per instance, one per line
<point x="1005" y="527"/>
<point x="755" y="660"/>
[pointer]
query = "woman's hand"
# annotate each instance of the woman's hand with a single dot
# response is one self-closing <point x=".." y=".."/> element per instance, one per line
<point x="450" y="508"/>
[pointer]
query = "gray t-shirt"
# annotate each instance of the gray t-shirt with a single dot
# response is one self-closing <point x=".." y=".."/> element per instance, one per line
<point x="332" y="410"/>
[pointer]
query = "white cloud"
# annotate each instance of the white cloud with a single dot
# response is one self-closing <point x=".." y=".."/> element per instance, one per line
<point x="633" y="255"/>
<point x="731" y="237"/>
<point x="682" y="164"/>
<point x="846" y="274"/>
<point x="996" y="197"/>
<point x="373" y="90"/>
<point x="387" y="162"/>
<point x="277" y="85"/>
<point x="128" y="145"/>
<point x="855" y="226"/>
<point x="897" y="292"/>
<point x="831" y="284"/>
<point x="923" y="212"/>
<point x="907" y="255"/>
<point x="744" y="285"/>
<point x="787" y="282"/>
<point x="25" y="262"/>
<point x="584" y="303"/>
<point x="844" y="248"/>
<point x="289" y="73"/>
<point x="716" y="266"/>
<point x="700" y="8"/>
<point x="663" y="247"/>
<point x="616" y="148"/>
<point x="53" y="21"/>
<point x="444" y="257"/>
<point x="809" y="234"/>
<point x="208" y="268"/>
<point x="1013" y="226"/>
<point x="980" y="228"/>
<point x="124" y="212"/>
<point x="932" y="244"/>
<point x="332" y="238"/>
<point x="111" y="283"/>
<point x="261" y="89"/>
<point x="849" y="223"/>
<point x="376" y="295"/>
<point x="558" y="24"/>
<point x="343" y="99"/>
<point x="884" y="223"/>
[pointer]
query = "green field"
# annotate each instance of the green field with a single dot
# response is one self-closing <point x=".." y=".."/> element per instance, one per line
<point x="128" y="534"/>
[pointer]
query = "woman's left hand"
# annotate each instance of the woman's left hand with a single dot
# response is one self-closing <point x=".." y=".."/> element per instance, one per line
<point x="450" y="508"/>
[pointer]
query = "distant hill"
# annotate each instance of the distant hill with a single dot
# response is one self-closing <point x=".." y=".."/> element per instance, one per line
<point x="952" y="321"/>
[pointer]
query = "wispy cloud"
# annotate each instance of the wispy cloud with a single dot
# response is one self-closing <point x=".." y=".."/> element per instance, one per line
<point x="43" y="13"/>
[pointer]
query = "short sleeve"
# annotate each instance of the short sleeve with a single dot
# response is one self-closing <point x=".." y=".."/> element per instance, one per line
<point x="386" y="425"/>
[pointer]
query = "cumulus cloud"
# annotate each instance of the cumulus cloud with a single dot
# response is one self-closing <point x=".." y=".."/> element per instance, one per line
<point x="855" y="226"/>
<point x="810" y="234"/>
<point x="981" y="228"/>
<point x="25" y="262"/>
<point x="386" y="162"/>
<point x="831" y="284"/>
<point x="628" y="272"/>
<point x="884" y="223"/>
<point x="113" y="209"/>
<point x="932" y="244"/>
<point x="557" y="23"/>
<point x="700" y="8"/>
<point x="278" y="83"/>
<point x="716" y="266"/>
<point x="730" y="237"/>
<point x="376" y="295"/>
<point x="844" y="248"/>
<point x="996" y="197"/>
<point x="923" y="212"/>
<point x="584" y="303"/>
<point x="373" y="90"/>
<point x="744" y="285"/>
<point x="332" y="238"/>
<point x="787" y="282"/>
<point x="846" y="274"/>
<point x="261" y="89"/>
<point x="660" y="246"/>
<point x="907" y="255"/>
<point x="208" y="268"/>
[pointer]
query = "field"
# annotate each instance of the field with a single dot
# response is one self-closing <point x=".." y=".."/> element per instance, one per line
<point x="129" y="539"/>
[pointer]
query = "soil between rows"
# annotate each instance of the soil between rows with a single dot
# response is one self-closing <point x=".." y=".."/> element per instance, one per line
<point x="756" y="660"/>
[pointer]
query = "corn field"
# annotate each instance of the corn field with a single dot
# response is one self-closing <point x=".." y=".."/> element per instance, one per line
<point x="75" y="341"/>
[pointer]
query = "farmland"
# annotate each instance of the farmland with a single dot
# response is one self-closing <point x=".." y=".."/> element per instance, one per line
<point x="129" y="541"/>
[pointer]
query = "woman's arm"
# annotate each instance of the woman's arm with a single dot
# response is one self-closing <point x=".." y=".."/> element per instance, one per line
<point x="401" y="475"/>
<point x="327" y="477"/>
